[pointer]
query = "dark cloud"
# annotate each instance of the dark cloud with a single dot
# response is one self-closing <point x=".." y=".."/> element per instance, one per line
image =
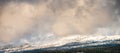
<point x="2" y="2"/>
<point x="30" y="1"/>
<point x="61" y="5"/>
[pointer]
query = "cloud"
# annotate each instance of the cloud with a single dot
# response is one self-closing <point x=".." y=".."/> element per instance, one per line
<point x="18" y="18"/>
<point x="83" y="18"/>
<point x="61" y="17"/>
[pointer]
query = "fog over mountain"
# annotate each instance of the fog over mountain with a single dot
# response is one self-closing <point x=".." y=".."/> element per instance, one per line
<point x="46" y="20"/>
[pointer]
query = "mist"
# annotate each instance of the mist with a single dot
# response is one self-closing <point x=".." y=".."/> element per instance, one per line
<point x="20" y="18"/>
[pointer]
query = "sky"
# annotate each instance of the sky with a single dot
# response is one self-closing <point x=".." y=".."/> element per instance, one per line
<point x="30" y="18"/>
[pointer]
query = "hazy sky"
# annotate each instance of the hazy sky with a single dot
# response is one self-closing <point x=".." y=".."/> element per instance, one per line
<point x="60" y="17"/>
